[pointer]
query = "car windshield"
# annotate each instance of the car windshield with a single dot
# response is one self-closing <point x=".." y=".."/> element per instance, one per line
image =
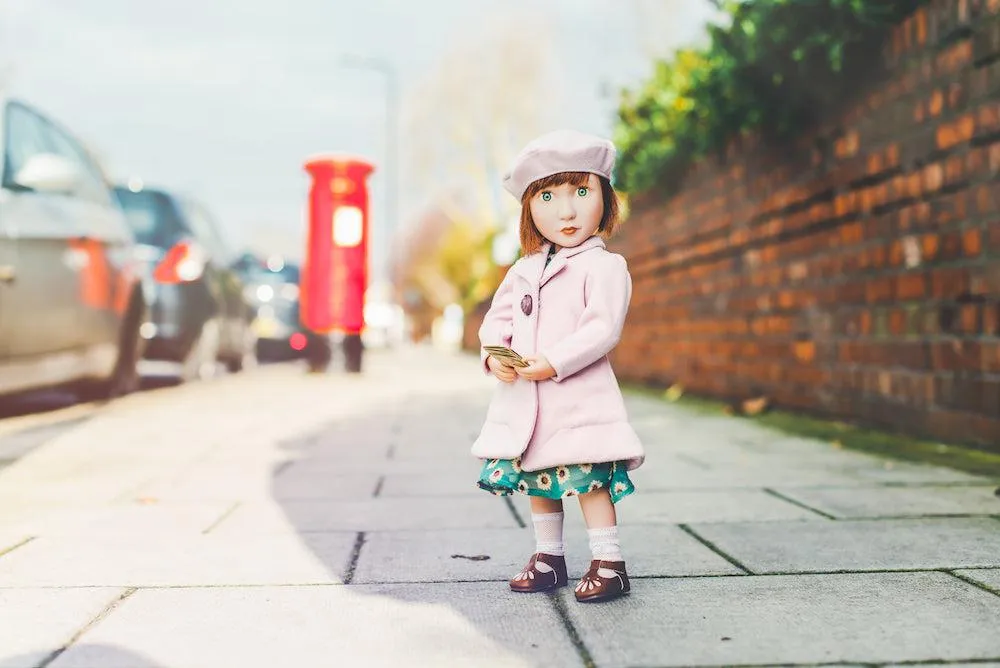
<point x="151" y="215"/>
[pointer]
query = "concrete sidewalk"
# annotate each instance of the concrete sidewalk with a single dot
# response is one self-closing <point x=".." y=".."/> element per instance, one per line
<point x="279" y="519"/>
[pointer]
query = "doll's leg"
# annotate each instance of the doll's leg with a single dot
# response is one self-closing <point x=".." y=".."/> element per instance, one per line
<point x="547" y="567"/>
<point x="602" y="524"/>
<point x="606" y="579"/>
<point x="547" y="518"/>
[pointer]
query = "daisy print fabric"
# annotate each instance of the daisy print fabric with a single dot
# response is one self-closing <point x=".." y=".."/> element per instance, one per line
<point x="505" y="476"/>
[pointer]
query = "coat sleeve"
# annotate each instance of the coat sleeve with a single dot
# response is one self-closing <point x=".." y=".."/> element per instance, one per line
<point x="498" y="323"/>
<point x="607" y="292"/>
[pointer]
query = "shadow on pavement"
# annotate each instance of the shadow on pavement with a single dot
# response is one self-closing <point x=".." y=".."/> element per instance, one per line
<point x="108" y="655"/>
<point x="336" y="492"/>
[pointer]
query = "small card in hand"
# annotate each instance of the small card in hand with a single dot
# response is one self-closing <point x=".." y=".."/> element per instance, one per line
<point x="506" y="356"/>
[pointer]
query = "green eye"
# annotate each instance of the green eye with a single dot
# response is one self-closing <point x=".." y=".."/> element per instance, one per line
<point x="582" y="191"/>
<point x="546" y="196"/>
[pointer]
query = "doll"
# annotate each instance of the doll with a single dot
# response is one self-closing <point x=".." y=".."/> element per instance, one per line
<point x="557" y="427"/>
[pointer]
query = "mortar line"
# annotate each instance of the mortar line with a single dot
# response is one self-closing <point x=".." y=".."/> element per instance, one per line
<point x="693" y="461"/>
<point x="513" y="511"/>
<point x="710" y="545"/>
<point x="108" y="609"/>
<point x="221" y="518"/>
<point x="974" y="583"/>
<point x="559" y="605"/>
<point x="794" y="502"/>
<point x="10" y="549"/>
<point x="352" y="563"/>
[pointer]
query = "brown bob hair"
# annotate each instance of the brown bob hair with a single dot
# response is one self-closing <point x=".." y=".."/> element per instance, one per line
<point x="532" y="240"/>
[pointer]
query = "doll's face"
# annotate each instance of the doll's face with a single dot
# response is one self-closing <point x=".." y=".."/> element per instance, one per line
<point x="567" y="215"/>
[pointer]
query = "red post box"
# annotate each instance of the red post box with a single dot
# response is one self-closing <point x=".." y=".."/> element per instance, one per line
<point x="335" y="271"/>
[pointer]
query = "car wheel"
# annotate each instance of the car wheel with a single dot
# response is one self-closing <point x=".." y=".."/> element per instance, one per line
<point x="124" y="379"/>
<point x="202" y="360"/>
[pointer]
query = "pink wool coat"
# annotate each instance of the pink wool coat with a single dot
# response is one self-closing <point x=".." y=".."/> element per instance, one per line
<point x="572" y="313"/>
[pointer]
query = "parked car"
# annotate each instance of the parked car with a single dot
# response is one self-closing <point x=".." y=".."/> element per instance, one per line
<point x="272" y="288"/>
<point x="71" y="298"/>
<point x="198" y="316"/>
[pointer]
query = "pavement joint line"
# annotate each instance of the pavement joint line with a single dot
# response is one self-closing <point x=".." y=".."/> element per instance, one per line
<point x="222" y="518"/>
<point x="974" y="583"/>
<point x="714" y="548"/>
<point x="108" y="609"/>
<point x="513" y="511"/>
<point x="378" y="487"/>
<point x="865" y="664"/>
<point x="795" y="502"/>
<point x="10" y="549"/>
<point x="355" y="556"/>
<point x="559" y="605"/>
<point x="693" y="461"/>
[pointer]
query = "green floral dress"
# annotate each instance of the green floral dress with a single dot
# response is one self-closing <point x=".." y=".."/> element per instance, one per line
<point x="505" y="476"/>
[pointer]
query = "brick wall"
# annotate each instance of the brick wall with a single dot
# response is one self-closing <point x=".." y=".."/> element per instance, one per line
<point x="855" y="273"/>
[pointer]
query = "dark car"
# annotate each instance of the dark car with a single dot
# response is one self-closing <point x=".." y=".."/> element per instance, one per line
<point x="71" y="298"/>
<point x="197" y="312"/>
<point x="272" y="289"/>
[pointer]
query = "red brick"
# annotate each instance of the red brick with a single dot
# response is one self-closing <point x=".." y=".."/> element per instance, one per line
<point x="972" y="243"/>
<point x="910" y="286"/>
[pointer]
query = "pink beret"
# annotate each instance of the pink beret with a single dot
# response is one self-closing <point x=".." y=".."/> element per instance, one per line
<point x="559" y="151"/>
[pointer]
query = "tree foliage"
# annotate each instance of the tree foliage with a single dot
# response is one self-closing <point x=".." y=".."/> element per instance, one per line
<point x="770" y="69"/>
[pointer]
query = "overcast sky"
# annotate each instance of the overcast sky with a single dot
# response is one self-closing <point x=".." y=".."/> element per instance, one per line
<point x="224" y="100"/>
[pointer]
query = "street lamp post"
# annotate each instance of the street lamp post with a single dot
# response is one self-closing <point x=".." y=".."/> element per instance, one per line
<point x="386" y="69"/>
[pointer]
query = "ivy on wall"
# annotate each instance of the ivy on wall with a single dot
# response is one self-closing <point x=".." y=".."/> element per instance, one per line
<point x="770" y="69"/>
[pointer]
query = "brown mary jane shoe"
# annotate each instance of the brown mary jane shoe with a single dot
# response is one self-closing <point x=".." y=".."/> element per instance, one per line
<point x="531" y="580"/>
<point x="593" y="587"/>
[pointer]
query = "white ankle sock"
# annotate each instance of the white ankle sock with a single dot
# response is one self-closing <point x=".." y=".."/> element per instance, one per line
<point x="548" y="533"/>
<point x="604" y="544"/>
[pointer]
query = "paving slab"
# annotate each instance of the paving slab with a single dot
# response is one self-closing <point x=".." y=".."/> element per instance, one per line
<point x="988" y="577"/>
<point x="409" y="514"/>
<point x="656" y="475"/>
<point x="858" y="545"/>
<point x="136" y="519"/>
<point x="36" y="622"/>
<point x="459" y="466"/>
<point x="302" y="483"/>
<point x="806" y="619"/>
<point x="406" y="625"/>
<point x="236" y="482"/>
<point x="720" y="505"/>
<point x="919" y="501"/>
<point x="166" y="560"/>
<point x="442" y="481"/>
<point x="453" y="556"/>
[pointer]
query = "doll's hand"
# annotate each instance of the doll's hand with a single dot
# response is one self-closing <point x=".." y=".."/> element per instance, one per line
<point x="501" y="370"/>
<point x="538" y="369"/>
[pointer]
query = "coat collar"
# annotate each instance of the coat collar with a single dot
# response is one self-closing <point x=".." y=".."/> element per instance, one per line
<point x="533" y="267"/>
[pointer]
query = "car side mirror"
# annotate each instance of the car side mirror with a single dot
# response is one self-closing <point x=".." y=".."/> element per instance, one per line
<point x="50" y="173"/>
